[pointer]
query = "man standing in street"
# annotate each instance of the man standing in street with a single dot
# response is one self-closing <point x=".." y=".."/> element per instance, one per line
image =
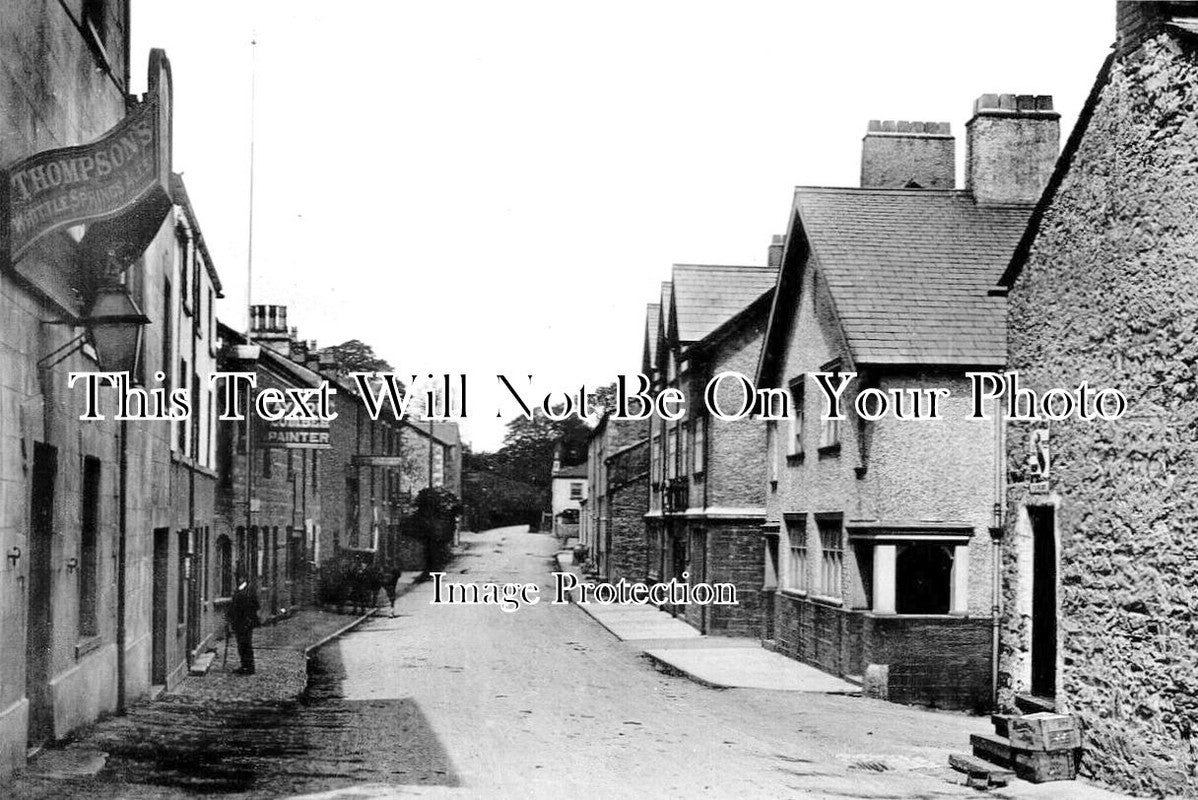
<point x="243" y="618"/>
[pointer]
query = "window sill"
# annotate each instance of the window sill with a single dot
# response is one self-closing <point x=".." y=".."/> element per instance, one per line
<point x="798" y="594"/>
<point x="824" y="600"/>
<point x="89" y="644"/>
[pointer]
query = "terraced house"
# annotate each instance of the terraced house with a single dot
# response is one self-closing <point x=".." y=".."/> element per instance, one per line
<point x="879" y="534"/>
<point x="707" y="476"/>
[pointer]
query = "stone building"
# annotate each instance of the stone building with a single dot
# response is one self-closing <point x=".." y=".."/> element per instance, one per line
<point x="269" y="491"/>
<point x="708" y="474"/>
<point x="878" y="532"/>
<point x="1099" y="556"/>
<point x="612" y="514"/>
<point x="350" y="493"/>
<point x="100" y="532"/>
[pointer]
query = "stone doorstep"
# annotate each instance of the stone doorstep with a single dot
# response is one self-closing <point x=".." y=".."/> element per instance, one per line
<point x="202" y="663"/>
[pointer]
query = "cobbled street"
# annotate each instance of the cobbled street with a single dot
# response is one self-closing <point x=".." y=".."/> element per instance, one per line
<point x="457" y="701"/>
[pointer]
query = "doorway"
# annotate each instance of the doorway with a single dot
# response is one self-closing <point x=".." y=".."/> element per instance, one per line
<point x="162" y="552"/>
<point x="1044" y="601"/>
<point x="40" y="622"/>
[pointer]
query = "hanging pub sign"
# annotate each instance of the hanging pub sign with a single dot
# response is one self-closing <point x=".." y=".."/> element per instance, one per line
<point x="117" y="186"/>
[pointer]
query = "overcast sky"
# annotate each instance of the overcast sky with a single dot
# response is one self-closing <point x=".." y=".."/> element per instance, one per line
<point x="500" y="187"/>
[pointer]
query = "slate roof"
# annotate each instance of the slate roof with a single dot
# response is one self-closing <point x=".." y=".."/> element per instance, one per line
<point x="910" y="271"/>
<point x="706" y="295"/>
<point x="574" y="471"/>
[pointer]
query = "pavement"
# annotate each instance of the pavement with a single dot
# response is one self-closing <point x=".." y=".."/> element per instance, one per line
<point x="281" y="651"/>
<point x="721" y="662"/>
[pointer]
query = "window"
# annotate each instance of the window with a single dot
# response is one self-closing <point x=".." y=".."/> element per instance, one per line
<point x="168" y="345"/>
<point x="771" y="453"/>
<point x="923" y="579"/>
<point x="798" y="569"/>
<point x="181" y="591"/>
<point x="185" y="259"/>
<point x="95" y="28"/>
<point x="205" y="572"/>
<point x="315" y="472"/>
<point x="266" y="462"/>
<point x="182" y="427"/>
<point x="88" y="547"/>
<point x="196" y="416"/>
<point x="655" y="460"/>
<point x="798" y="400"/>
<point x="699" y="445"/>
<point x="831" y="560"/>
<point x="576" y="490"/>
<point x="672" y="454"/>
<point x="829" y="434"/>
<point x="829" y="429"/>
<point x="211" y="322"/>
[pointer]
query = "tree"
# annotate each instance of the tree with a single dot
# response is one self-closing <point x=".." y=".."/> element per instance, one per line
<point x="357" y="356"/>
<point x="529" y="446"/>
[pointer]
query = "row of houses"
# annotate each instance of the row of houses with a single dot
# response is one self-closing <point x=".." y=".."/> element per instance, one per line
<point x="122" y="540"/>
<point x="961" y="563"/>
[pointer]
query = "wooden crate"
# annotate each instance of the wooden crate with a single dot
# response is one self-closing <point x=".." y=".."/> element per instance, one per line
<point x="1045" y="731"/>
<point x="1042" y="766"/>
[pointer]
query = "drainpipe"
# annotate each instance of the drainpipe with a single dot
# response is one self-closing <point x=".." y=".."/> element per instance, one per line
<point x="996" y="538"/>
<point x="122" y="522"/>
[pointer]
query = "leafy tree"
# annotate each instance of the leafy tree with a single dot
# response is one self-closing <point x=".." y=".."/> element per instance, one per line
<point x="357" y="356"/>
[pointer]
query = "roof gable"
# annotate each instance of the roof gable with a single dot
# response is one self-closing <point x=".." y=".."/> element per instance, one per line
<point x="910" y="271"/>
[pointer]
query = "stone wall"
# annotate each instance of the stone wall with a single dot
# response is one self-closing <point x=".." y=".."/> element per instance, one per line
<point x="1108" y="295"/>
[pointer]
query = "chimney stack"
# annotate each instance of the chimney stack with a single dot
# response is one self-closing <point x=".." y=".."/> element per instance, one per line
<point x="914" y="155"/>
<point x="1011" y="147"/>
<point x="268" y="326"/>
<point x="775" y="253"/>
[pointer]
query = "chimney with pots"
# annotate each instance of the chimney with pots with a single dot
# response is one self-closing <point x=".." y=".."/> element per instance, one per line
<point x="912" y="155"/>
<point x="268" y="327"/>
<point x="775" y="253"/>
<point x="1011" y="147"/>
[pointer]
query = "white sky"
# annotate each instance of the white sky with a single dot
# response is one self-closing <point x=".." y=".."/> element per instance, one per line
<point x="500" y="187"/>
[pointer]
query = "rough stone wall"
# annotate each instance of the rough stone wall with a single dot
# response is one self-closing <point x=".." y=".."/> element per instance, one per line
<point x="1107" y="295"/>
<point x="626" y="509"/>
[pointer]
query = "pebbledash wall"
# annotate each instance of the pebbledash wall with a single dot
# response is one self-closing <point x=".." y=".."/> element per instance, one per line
<point x="915" y="471"/>
<point x="1106" y="292"/>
